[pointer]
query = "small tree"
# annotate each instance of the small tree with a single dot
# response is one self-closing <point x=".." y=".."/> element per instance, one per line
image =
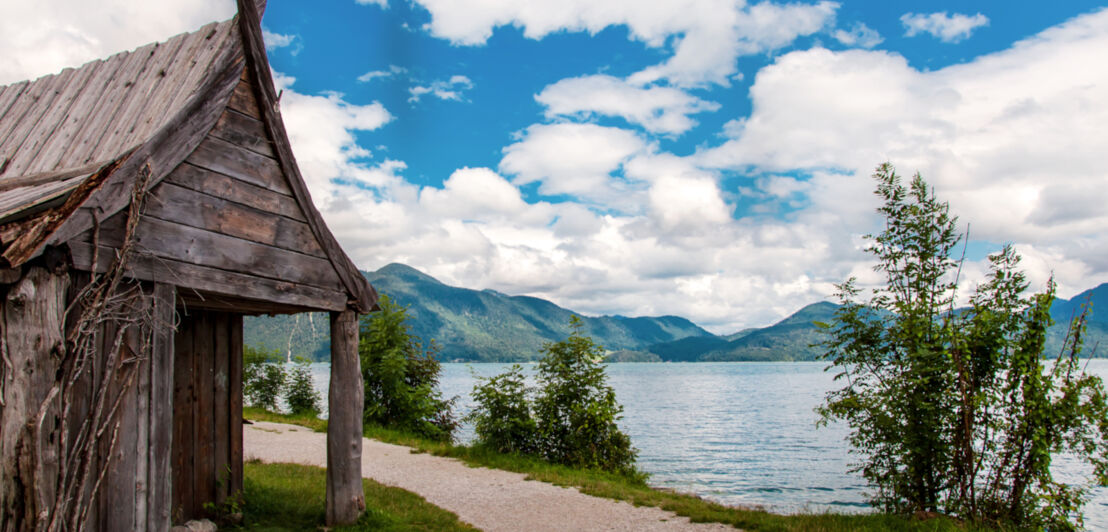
<point x="572" y="419"/>
<point x="263" y="377"/>
<point x="503" y="419"/>
<point x="300" y="395"/>
<point x="953" y="410"/>
<point x="401" y="378"/>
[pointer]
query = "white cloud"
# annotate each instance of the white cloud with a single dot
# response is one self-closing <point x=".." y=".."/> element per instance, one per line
<point x="574" y="159"/>
<point x="1014" y="140"/>
<point x="45" y="36"/>
<point x="859" y="35"/>
<point x="942" y="26"/>
<point x="392" y="71"/>
<point x="664" y="110"/>
<point x="705" y="36"/>
<point x="450" y="89"/>
<point x="321" y="129"/>
<point x="383" y="3"/>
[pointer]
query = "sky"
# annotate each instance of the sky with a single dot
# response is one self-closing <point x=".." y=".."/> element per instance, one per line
<point x="709" y="159"/>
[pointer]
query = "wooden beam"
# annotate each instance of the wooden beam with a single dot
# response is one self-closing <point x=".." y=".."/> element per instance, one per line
<point x="189" y="277"/>
<point x="345" y="497"/>
<point x="160" y="485"/>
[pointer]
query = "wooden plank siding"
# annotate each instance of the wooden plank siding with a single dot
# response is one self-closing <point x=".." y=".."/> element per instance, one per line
<point x="207" y="459"/>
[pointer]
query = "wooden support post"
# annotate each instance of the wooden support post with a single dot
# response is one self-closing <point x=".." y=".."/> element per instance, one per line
<point x="345" y="497"/>
<point x="160" y="485"/>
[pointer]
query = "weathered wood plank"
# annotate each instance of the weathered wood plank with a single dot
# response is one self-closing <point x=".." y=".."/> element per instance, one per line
<point x="50" y="157"/>
<point x="139" y="474"/>
<point x="220" y="46"/>
<point x="184" y="396"/>
<point x="19" y="135"/>
<point x="49" y="123"/>
<point x="246" y="131"/>
<point x="176" y="83"/>
<point x="242" y="100"/>
<point x="7" y="98"/>
<point x="205" y="473"/>
<point x="180" y="205"/>
<point x="142" y="95"/>
<point x="118" y="493"/>
<point x="31" y="326"/>
<point x="221" y="405"/>
<point x="235" y="391"/>
<point x="160" y="494"/>
<point x="191" y="277"/>
<point x="206" y="248"/>
<point x="226" y="158"/>
<point x="345" y="496"/>
<point x="85" y="146"/>
<point x="14" y="118"/>
<point x="231" y="189"/>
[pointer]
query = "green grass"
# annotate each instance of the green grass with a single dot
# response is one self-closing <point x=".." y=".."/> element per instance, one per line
<point x="287" y="497"/>
<point x="635" y="490"/>
<point x="304" y="420"/>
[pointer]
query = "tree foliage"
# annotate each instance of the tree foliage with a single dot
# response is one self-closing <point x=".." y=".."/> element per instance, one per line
<point x="263" y="377"/>
<point x="572" y="418"/>
<point x="955" y="410"/>
<point x="300" y="395"/>
<point x="401" y="377"/>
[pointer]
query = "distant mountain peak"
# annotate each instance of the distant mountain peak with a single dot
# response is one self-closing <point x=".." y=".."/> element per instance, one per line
<point x="403" y="271"/>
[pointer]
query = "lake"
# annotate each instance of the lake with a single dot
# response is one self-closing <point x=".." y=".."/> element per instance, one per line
<point x="737" y="432"/>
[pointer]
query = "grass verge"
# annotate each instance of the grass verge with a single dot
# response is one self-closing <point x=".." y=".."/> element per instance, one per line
<point x="635" y="490"/>
<point x="288" y="497"/>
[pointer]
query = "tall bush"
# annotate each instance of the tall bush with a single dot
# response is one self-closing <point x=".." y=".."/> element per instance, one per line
<point x="955" y="410"/>
<point x="263" y="377"/>
<point x="401" y="377"/>
<point x="572" y="418"/>
<point x="300" y="395"/>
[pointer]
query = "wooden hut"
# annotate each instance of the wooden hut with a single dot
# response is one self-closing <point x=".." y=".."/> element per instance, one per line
<point x="148" y="201"/>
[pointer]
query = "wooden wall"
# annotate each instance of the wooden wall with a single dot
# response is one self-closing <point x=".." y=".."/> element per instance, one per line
<point x="225" y="222"/>
<point x="207" y="411"/>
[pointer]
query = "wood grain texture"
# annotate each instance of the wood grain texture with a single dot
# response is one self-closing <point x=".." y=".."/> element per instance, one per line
<point x="231" y="189"/>
<point x="31" y="324"/>
<point x="251" y="293"/>
<point x="243" y="130"/>
<point x="235" y="398"/>
<point x="242" y="100"/>
<point x="345" y="495"/>
<point x="218" y="155"/>
<point x="159" y="473"/>
<point x="184" y="396"/>
<point x="184" y="206"/>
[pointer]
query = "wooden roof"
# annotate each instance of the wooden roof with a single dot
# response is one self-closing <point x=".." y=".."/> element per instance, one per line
<point x="73" y="144"/>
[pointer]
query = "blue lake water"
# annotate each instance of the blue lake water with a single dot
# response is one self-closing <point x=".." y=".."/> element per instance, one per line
<point x="739" y="433"/>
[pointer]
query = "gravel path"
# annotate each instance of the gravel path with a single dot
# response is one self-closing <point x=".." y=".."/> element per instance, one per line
<point x="489" y="499"/>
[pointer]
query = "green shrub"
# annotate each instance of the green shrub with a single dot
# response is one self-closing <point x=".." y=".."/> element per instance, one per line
<point x="953" y="410"/>
<point x="263" y="377"/>
<point x="503" y="419"/>
<point x="401" y="378"/>
<point x="299" y="393"/>
<point x="574" y="409"/>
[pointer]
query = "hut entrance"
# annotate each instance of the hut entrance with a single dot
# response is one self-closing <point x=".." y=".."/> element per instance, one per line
<point x="207" y="409"/>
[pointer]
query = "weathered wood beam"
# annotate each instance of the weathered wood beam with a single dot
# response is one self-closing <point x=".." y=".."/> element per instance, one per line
<point x="159" y="485"/>
<point x="345" y="497"/>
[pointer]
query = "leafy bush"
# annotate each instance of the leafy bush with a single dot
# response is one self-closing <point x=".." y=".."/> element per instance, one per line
<point x="503" y="419"/>
<point x="299" y="393"/>
<point x="574" y="409"/>
<point x="954" y="410"/>
<point x="401" y="378"/>
<point x="263" y="377"/>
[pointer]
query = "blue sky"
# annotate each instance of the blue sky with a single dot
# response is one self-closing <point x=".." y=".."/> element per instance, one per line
<point x="705" y="158"/>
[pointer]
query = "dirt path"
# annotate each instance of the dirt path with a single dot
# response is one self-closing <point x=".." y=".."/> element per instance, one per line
<point x="489" y="499"/>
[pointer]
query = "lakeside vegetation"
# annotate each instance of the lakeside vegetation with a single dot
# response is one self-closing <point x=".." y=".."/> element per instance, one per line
<point x="954" y="415"/>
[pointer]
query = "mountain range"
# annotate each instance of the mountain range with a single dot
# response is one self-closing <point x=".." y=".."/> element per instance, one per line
<point x="488" y="326"/>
